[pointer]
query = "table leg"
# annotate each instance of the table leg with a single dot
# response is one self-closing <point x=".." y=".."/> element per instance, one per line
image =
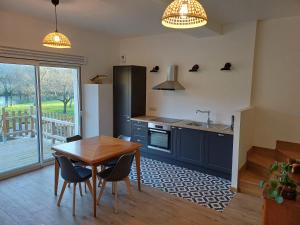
<point x="138" y="168"/>
<point x="94" y="179"/>
<point x="56" y="176"/>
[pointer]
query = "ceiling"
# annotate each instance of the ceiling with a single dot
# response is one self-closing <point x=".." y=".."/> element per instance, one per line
<point x="127" y="18"/>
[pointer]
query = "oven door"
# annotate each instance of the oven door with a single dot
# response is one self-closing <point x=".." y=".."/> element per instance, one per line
<point x="159" y="140"/>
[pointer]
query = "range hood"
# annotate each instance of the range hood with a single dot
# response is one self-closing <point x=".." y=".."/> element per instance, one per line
<point x="171" y="84"/>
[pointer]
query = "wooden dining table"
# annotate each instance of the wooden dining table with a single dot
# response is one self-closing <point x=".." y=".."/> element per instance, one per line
<point x="93" y="152"/>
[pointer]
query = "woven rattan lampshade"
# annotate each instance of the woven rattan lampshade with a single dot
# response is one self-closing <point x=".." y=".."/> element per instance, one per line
<point x="56" y="40"/>
<point x="183" y="14"/>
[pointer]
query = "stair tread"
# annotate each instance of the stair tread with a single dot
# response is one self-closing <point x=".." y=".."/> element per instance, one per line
<point x="292" y="154"/>
<point x="250" y="177"/>
<point x="263" y="158"/>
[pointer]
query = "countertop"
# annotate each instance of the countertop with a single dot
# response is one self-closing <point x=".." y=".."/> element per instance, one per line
<point x="217" y="128"/>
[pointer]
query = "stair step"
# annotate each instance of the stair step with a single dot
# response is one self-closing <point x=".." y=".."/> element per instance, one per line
<point x="249" y="181"/>
<point x="282" y="145"/>
<point x="259" y="160"/>
<point x="290" y="154"/>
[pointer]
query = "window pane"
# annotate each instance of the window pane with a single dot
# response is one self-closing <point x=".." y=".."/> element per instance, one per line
<point x="18" y="131"/>
<point x="60" y="108"/>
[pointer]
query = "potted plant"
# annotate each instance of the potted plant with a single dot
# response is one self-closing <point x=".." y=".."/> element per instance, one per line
<point x="280" y="186"/>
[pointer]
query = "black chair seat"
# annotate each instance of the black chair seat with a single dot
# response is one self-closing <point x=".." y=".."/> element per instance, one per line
<point x="83" y="173"/>
<point x="111" y="163"/>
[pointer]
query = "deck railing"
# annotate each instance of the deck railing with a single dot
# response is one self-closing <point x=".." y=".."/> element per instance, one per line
<point x="55" y="126"/>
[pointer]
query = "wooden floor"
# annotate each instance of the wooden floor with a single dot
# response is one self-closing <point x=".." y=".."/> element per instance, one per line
<point x="20" y="152"/>
<point x="29" y="200"/>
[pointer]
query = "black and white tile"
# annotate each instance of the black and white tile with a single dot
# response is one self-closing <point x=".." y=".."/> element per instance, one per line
<point x="206" y="190"/>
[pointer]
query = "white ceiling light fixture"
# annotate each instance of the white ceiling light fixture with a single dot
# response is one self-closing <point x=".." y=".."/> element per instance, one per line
<point x="56" y="39"/>
<point x="184" y="14"/>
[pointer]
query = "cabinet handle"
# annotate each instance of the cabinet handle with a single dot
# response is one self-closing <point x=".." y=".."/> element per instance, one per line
<point x="138" y="128"/>
<point x="179" y="128"/>
<point x="221" y="135"/>
<point x="128" y="120"/>
<point x="138" y="140"/>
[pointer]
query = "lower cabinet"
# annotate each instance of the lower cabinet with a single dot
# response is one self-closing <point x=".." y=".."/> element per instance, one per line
<point x="189" y="145"/>
<point x="218" y="151"/>
<point x="139" y="131"/>
<point x="207" y="151"/>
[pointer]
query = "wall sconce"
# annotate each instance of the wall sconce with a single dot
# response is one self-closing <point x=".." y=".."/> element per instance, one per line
<point x="155" y="69"/>
<point x="227" y="66"/>
<point x="195" y="68"/>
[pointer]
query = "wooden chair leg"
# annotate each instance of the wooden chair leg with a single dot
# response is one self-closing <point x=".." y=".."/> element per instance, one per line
<point x="85" y="187"/>
<point x="69" y="185"/>
<point x="101" y="191"/>
<point x="128" y="186"/>
<point x="113" y="191"/>
<point x="74" y="197"/>
<point x="116" y="197"/>
<point x="89" y="186"/>
<point x="80" y="189"/>
<point x="99" y="184"/>
<point x="62" y="193"/>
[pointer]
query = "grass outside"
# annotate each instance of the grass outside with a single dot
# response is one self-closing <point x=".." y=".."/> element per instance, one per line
<point x="47" y="106"/>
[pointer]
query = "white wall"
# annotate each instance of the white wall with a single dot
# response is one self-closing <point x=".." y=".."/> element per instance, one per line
<point x="221" y="92"/>
<point x="22" y="31"/>
<point x="276" y="85"/>
<point x="242" y="141"/>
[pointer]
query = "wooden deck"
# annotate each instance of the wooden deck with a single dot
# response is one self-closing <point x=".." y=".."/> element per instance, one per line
<point x="20" y="152"/>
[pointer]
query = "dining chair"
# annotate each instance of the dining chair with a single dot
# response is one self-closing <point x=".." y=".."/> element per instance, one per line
<point x="113" y="162"/>
<point x="115" y="174"/>
<point x="72" y="174"/>
<point x="76" y="162"/>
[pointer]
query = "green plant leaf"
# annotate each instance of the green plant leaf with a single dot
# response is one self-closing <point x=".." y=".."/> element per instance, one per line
<point x="274" y="166"/>
<point x="261" y="184"/>
<point x="273" y="183"/>
<point x="279" y="199"/>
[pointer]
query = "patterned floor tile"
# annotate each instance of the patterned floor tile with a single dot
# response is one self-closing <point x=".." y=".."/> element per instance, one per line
<point x="206" y="190"/>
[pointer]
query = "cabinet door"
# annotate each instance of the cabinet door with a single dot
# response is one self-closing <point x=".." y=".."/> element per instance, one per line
<point x="121" y="85"/>
<point x="138" y="91"/>
<point x="122" y="91"/>
<point x="190" y="145"/>
<point x="218" y="151"/>
<point x="123" y="126"/>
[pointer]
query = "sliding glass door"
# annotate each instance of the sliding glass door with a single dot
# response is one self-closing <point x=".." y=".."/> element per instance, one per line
<point x="60" y="105"/>
<point x="18" y="132"/>
<point x="39" y="107"/>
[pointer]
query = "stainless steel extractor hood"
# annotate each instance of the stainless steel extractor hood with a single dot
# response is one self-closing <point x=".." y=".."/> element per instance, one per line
<point x="171" y="84"/>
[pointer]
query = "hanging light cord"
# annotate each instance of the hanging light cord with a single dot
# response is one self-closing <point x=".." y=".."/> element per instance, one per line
<point x="55" y="20"/>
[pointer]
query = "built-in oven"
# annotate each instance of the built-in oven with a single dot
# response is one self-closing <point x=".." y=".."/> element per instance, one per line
<point x="159" y="137"/>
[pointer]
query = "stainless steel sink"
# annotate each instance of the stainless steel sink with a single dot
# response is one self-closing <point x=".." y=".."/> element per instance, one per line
<point x="200" y="124"/>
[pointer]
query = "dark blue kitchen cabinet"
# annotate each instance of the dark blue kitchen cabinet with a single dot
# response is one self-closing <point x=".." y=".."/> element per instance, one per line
<point x="189" y="145"/>
<point x="129" y="95"/>
<point x="218" y="152"/>
<point x="139" y="131"/>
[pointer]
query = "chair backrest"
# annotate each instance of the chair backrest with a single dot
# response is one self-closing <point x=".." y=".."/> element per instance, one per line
<point x="122" y="168"/>
<point x="73" y="138"/>
<point x="124" y="138"/>
<point x="68" y="171"/>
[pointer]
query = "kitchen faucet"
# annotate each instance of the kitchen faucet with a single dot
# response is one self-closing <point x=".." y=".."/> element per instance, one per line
<point x="208" y="116"/>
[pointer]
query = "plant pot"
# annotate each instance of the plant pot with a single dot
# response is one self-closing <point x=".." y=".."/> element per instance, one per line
<point x="288" y="192"/>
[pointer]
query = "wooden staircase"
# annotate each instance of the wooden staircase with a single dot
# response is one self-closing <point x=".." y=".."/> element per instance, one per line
<point x="259" y="161"/>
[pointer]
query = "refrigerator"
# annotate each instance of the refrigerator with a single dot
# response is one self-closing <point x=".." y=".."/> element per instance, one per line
<point x="97" y="110"/>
